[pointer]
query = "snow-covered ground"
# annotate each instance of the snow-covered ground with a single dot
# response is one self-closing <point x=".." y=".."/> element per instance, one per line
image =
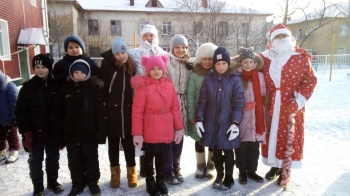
<point x="325" y="171"/>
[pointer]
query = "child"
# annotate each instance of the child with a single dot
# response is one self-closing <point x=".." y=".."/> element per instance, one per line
<point x="80" y="119"/>
<point x="156" y="119"/>
<point x="220" y="89"/>
<point x="203" y="62"/>
<point x="148" y="46"/>
<point x="75" y="49"/>
<point x="8" y="127"/>
<point x="252" y="127"/>
<point x="178" y="70"/>
<point x="34" y="112"/>
<point x="116" y="70"/>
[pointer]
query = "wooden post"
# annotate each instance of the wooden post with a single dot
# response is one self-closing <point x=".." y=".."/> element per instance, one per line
<point x="332" y="56"/>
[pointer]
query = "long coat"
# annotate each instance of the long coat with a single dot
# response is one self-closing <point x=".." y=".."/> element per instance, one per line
<point x="34" y="107"/>
<point x="118" y="94"/>
<point x="8" y="97"/>
<point x="155" y="111"/>
<point x="221" y="103"/>
<point x="295" y="76"/>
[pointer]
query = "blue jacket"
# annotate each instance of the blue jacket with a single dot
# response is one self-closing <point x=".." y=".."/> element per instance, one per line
<point x="8" y="97"/>
<point x="221" y="102"/>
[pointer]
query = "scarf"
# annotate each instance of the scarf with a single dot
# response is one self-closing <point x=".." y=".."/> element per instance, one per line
<point x="259" y="110"/>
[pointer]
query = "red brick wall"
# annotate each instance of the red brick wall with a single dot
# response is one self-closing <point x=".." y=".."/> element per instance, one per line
<point x="31" y="17"/>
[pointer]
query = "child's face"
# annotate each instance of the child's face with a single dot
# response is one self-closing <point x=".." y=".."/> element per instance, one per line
<point x="122" y="57"/>
<point x="180" y="51"/>
<point x="207" y="62"/>
<point x="149" y="37"/>
<point x="156" y="73"/>
<point x="248" y="64"/>
<point x="221" y="67"/>
<point x="41" y="71"/>
<point x="79" y="75"/>
<point x="74" y="49"/>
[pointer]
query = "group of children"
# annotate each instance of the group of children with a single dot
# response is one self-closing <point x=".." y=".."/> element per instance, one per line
<point x="144" y="98"/>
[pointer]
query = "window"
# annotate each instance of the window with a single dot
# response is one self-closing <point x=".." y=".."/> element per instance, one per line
<point x="32" y="2"/>
<point x="4" y="41"/>
<point x="166" y="28"/>
<point x="142" y="24"/>
<point x="93" y="27"/>
<point x="222" y="28"/>
<point x="166" y="49"/>
<point x="299" y="34"/>
<point x="116" y="27"/>
<point x="197" y="28"/>
<point x="154" y="3"/>
<point x="341" y="50"/>
<point x="94" y="51"/>
<point x="205" y="3"/>
<point x="343" y="30"/>
<point x="244" y="31"/>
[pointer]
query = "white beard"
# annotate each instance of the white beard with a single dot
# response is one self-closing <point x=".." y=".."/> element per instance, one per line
<point x="283" y="46"/>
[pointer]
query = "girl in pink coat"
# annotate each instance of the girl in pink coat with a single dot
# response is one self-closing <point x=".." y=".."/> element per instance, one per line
<point x="156" y="119"/>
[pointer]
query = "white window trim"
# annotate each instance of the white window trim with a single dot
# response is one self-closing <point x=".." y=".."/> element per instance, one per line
<point x="166" y="25"/>
<point x="5" y="55"/>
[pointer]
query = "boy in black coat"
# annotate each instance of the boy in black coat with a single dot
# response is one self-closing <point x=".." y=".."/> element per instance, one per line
<point x="80" y="121"/>
<point x="33" y="113"/>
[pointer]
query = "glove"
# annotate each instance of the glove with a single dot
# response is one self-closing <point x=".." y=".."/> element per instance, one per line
<point x="292" y="106"/>
<point x="199" y="128"/>
<point x="27" y="141"/>
<point x="138" y="140"/>
<point x="14" y="123"/>
<point x="178" y="136"/>
<point x="232" y="132"/>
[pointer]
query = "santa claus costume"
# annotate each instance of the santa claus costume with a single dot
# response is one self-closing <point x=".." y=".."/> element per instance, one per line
<point x="290" y="82"/>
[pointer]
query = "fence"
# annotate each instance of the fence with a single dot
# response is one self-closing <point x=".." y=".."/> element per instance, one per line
<point x="322" y="63"/>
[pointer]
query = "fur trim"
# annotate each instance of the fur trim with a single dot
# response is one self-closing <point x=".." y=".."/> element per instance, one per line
<point x="236" y="63"/>
<point x="96" y="82"/>
<point x="137" y="82"/>
<point x="200" y="70"/>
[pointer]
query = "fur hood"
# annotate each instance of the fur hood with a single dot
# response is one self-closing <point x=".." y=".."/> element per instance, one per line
<point x="236" y="63"/>
<point x="138" y="81"/>
<point x="198" y="69"/>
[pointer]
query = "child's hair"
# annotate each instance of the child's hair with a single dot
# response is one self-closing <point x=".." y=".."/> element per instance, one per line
<point x="154" y="61"/>
<point x="75" y="39"/>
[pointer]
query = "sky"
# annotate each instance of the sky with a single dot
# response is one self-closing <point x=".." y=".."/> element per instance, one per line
<point x="325" y="170"/>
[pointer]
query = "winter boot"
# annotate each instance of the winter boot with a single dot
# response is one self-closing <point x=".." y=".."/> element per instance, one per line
<point x="200" y="172"/>
<point x="243" y="176"/>
<point x="94" y="189"/>
<point x="38" y="189"/>
<point x="152" y="188"/>
<point x="54" y="186"/>
<point x="210" y="166"/>
<point x="142" y="168"/>
<point x="13" y="156"/>
<point x="115" y="177"/>
<point x="162" y="187"/>
<point x="255" y="177"/>
<point x="273" y="173"/>
<point x="279" y="179"/>
<point x="132" y="176"/>
<point x="218" y="161"/>
<point x="76" y="191"/>
<point x="228" y="181"/>
<point x="2" y="155"/>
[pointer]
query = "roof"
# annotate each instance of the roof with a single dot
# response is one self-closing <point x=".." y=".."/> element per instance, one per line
<point x="140" y="6"/>
<point x="33" y="36"/>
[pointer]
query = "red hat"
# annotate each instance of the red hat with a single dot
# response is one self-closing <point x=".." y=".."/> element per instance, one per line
<point x="154" y="61"/>
<point x="279" y="29"/>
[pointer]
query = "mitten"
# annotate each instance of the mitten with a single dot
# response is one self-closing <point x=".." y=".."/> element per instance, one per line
<point x="138" y="140"/>
<point x="27" y="141"/>
<point x="232" y="132"/>
<point x="292" y="106"/>
<point x="199" y="128"/>
<point x="178" y="136"/>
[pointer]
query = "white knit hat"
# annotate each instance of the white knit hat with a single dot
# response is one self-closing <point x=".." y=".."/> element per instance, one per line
<point x="149" y="29"/>
<point x="205" y="50"/>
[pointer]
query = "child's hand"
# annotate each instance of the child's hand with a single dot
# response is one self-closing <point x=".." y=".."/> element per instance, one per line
<point x="232" y="132"/>
<point x="27" y="141"/>
<point x="138" y="140"/>
<point x="178" y="136"/>
<point x="199" y="128"/>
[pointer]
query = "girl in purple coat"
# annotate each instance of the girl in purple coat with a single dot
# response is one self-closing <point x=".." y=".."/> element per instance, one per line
<point x="156" y="119"/>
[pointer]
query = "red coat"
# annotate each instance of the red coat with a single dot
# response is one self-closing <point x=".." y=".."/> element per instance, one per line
<point x="156" y="110"/>
<point x="296" y="76"/>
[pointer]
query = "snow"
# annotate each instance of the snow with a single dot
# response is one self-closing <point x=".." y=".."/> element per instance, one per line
<point x="325" y="171"/>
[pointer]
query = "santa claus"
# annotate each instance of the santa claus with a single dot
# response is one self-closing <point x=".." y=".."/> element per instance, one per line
<point x="290" y="82"/>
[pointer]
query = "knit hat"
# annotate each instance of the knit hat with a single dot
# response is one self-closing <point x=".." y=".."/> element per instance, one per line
<point x="119" y="45"/>
<point x="279" y="29"/>
<point x="149" y="29"/>
<point x="205" y="50"/>
<point x="80" y="65"/>
<point x="178" y="40"/>
<point x="43" y="59"/>
<point x="245" y="53"/>
<point x="221" y="54"/>
<point x="154" y="61"/>
<point x="75" y="39"/>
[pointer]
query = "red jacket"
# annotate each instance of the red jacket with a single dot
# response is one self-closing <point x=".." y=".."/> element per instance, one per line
<point x="156" y="110"/>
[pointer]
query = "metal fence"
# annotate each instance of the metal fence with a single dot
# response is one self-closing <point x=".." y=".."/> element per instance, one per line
<point x="340" y="63"/>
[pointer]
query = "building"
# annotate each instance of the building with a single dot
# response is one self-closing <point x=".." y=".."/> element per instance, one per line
<point x="100" y="22"/>
<point x="23" y="34"/>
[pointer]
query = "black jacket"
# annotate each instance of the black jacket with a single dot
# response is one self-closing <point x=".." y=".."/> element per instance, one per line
<point x="80" y="114"/>
<point x="34" y="107"/>
<point x="118" y="94"/>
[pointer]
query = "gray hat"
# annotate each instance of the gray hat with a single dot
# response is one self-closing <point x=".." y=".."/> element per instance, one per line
<point x="178" y="40"/>
<point x="245" y="53"/>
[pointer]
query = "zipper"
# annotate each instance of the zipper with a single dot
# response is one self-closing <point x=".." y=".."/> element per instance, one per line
<point x="111" y="83"/>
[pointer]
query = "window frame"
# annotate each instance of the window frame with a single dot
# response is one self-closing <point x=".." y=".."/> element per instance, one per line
<point x="118" y="23"/>
<point x="5" y="50"/>
<point x="222" y="28"/>
<point x="92" y="31"/>
<point x="166" y="28"/>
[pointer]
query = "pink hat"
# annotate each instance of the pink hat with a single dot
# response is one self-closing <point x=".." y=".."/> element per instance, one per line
<point x="279" y="29"/>
<point x="154" y="61"/>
